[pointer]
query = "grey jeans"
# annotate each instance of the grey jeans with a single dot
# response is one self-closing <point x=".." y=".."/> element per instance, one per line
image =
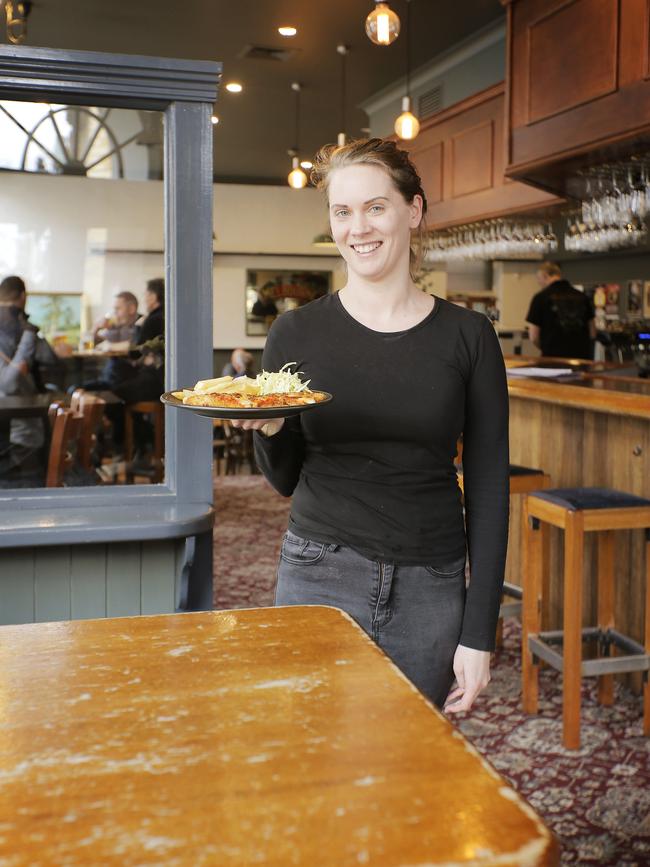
<point x="414" y="613"/>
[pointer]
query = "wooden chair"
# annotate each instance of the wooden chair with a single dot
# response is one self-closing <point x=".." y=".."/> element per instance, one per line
<point x="91" y="407"/>
<point x="66" y="427"/>
<point x="577" y="511"/>
<point x="156" y="411"/>
<point x="225" y="447"/>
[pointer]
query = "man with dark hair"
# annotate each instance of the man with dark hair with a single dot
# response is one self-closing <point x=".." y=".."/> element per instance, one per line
<point x="118" y="327"/>
<point x="21" y="350"/>
<point x="560" y="318"/>
<point x="153" y="324"/>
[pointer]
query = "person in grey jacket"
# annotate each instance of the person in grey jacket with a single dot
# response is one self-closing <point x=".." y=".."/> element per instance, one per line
<point x="21" y="350"/>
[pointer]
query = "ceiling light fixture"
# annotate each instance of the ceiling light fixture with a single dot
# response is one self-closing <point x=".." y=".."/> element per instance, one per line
<point x="343" y="51"/>
<point x="214" y="119"/>
<point x="297" y="179"/>
<point x="17" y="12"/>
<point x="234" y="87"/>
<point x="382" y="25"/>
<point x="287" y="31"/>
<point x="407" y="126"/>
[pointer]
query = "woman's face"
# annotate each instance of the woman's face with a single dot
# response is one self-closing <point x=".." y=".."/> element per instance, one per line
<point x="370" y="221"/>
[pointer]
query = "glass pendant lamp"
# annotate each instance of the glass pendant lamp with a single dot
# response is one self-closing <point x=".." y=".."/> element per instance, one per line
<point x="297" y="179"/>
<point x="407" y="126"/>
<point x="382" y="25"/>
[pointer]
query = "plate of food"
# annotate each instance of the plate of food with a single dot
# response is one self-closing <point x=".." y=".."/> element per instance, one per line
<point x="269" y="395"/>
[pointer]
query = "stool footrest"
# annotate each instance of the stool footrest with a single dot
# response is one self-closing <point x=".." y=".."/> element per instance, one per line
<point x="513" y="590"/>
<point x="637" y="660"/>
<point x="510" y="609"/>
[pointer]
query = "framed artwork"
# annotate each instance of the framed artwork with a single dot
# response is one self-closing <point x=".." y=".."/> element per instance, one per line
<point x="646" y="299"/>
<point x="612" y="300"/>
<point x="633" y="308"/>
<point x="57" y="315"/>
<point x="270" y="293"/>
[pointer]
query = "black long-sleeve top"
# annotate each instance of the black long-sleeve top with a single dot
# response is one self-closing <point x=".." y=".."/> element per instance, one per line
<point x="373" y="469"/>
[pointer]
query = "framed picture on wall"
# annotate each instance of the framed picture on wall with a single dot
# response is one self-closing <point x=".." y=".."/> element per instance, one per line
<point x="57" y="315"/>
<point x="270" y="293"/>
<point x="646" y="299"/>
<point x="634" y="300"/>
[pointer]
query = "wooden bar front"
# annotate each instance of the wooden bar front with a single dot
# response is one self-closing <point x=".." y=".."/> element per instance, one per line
<point x="267" y="736"/>
<point x="594" y="433"/>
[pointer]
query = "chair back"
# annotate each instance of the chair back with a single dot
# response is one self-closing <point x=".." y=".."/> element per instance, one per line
<point x="66" y="427"/>
<point x="91" y="408"/>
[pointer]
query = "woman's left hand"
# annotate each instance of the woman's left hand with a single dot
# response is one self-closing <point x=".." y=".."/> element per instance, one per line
<point x="472" y="670"/>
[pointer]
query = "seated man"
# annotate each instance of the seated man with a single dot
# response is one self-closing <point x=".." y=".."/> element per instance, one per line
<point x="153" y="324"/>
<point x="240" y="364"/>
<point x="118" y="328"/>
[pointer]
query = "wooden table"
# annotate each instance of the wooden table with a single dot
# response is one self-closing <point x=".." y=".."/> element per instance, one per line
<point x="22" y="406"/>
<point x="265" y="736"/>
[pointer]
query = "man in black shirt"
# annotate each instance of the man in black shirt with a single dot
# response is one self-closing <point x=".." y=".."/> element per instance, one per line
<point x="560" y="318"/>
<point x="153" y="324"/>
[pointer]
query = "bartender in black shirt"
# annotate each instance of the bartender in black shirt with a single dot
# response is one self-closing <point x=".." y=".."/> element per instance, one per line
<point x="560" y="318"/>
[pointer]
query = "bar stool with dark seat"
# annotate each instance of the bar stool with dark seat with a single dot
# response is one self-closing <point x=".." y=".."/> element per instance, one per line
<point x="577" y="511"/>
<point x="522" y="481"/>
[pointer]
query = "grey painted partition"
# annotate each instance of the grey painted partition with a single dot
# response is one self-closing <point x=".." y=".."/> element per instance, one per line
<point x="94" y="552"/>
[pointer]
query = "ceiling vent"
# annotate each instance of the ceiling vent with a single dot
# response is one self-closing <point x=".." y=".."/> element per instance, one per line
<point x="261" y="52"/>
<point x="430" y="102"/>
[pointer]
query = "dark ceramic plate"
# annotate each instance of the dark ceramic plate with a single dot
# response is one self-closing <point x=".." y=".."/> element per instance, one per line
<point x="233" y="412"/>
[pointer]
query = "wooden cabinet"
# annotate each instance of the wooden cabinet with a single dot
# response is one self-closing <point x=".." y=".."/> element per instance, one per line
<point x="578" y="86"/>
<point x="460" y="155"/>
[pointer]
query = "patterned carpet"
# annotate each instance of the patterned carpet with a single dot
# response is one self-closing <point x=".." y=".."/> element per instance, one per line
<point x="596" y="800"/>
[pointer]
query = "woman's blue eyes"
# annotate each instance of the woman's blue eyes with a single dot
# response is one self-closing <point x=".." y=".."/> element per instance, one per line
<point x="376" y="209"/>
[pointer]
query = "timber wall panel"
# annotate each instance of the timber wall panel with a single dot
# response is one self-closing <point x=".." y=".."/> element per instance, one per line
<point x="52" y="584"/>
<point x="17" y="601"/>
<point x="158" y="577"/>
<point x="88" y="581"/>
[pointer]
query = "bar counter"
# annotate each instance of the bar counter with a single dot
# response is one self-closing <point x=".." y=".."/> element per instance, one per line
<point x="590" y="429"/>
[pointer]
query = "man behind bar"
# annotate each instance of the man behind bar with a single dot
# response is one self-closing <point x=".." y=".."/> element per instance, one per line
<point x="560" y="318"/>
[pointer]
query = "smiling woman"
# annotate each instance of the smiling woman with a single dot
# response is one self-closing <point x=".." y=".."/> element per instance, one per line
<point x="377" y="525"/>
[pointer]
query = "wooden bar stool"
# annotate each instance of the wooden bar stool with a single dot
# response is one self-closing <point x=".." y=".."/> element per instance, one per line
<point x="155" y="411"/>
<point x="522" y="481"/>
<point x="577" y="511"/>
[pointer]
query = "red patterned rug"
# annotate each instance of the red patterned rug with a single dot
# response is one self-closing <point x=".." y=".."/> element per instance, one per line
<point x="596" y="800"/>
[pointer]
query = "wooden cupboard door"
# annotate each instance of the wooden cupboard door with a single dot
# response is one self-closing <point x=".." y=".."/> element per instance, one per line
<point x="572" y="56"/>
<point x="471" y="159"/>
<point x="427" y="156"/>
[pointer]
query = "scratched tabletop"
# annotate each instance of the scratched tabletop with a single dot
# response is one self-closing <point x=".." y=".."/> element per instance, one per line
<point x="273" y="736"/>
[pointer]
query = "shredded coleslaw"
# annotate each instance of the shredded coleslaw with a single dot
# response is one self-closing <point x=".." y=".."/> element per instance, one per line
<point x="281" y="382"/>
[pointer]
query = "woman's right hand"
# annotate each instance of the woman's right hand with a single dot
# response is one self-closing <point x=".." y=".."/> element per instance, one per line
<point x="268" y="426"/>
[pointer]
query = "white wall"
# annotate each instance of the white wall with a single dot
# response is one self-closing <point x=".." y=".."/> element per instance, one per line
<point x="514" y="284"/>
<point x="97" y="237"/>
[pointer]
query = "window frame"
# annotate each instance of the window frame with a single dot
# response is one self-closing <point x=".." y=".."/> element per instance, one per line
<point x="185" y="91"/>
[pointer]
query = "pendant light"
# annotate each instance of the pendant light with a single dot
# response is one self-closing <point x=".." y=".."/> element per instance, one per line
<point x="297" y="179"/>
<point x="407" y="126"/>
<point x="382" y="25"/>
<point x="342" y="50"/>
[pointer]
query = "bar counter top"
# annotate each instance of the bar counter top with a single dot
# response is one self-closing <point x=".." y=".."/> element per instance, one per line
<point x="596" y="386"/>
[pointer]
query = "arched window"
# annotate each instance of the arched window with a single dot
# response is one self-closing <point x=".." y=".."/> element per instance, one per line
<point x="78" y="140"/>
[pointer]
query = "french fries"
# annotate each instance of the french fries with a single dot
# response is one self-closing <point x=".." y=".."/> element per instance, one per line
<point x="226" y="385"/>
